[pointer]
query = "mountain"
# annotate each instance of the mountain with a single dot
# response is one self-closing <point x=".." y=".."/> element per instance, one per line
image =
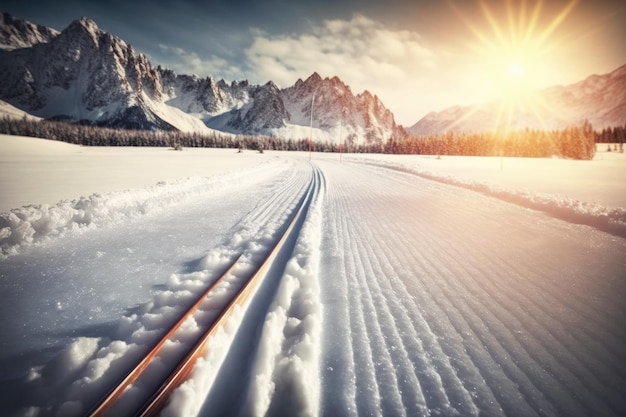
<point x="360" y="117"/>
<point x="86" y="75"/>
<point x="16" y="33"/>
<point x="599" y="99"/>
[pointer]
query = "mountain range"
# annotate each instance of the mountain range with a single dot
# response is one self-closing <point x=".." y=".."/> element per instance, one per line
<point x="86" y="75"/>
<point x="598" y="99"/>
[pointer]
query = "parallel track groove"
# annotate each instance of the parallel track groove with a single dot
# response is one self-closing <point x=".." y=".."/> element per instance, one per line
<point x="182" y="371"/>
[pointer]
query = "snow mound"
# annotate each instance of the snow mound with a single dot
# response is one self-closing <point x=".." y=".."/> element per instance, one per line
<point x="286" y="371"/>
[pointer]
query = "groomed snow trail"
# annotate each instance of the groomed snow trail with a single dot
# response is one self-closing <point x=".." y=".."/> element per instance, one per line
<point x="393" y="295"/>
<point x="442" y="301"/>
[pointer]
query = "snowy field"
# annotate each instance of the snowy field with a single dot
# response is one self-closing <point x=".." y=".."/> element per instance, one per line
<point x="36" y="171"/>
<point x="413" y="286"/>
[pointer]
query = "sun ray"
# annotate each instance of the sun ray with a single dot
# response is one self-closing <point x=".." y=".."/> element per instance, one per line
<point x="557" y="21"/>
<point x="492" y="21"/>
<point x="530" y="29"/>
<point x="513" y="22"/>
<point x="511" y="44"/>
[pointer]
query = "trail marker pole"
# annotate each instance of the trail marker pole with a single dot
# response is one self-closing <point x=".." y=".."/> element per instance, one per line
<point x="340" y="129"/>
<point x="311" y="128"/>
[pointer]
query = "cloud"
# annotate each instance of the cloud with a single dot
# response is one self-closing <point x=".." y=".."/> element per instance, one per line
<point x="362" y="52"/>
<point x="186" y="62"/>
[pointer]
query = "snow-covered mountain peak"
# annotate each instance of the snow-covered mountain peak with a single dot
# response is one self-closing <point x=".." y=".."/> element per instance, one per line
<point x="599" y="99"/>
<point x="86" y="24"/>
<point x="270" y="85"/>
<point x="84" y="29"/>
<point x="619" y="73"/>
<point x="314" y="78"/>
<point x="17" y="33"/>
<point x="366" y="95"/>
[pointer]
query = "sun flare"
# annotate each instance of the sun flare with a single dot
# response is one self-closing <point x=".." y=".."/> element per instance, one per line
<point x="516" y="70"/>
<point x="511" y="43"/>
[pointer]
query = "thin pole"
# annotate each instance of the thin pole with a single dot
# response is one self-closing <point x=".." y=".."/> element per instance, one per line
<point x="340" y="129"/>
<point x="311" y="129"/>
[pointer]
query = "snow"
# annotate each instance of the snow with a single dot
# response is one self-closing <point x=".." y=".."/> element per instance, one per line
<point x="304" y="131"/>
<point x="331" y="135"/>
<point x="407" y="287"/>
<point x="8" y="110"/>
<point x="566" y="189"/>
<point x="26" y="176"/>
<point x="178" y="118"/>
<point x="597" y="181"/>
<point x="60" y="101"/>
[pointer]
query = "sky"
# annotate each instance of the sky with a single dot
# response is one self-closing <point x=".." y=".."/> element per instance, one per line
<point x="417" y="56"/>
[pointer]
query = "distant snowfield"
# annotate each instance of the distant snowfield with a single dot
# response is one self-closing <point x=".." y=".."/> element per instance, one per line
<point x="402" y="291"/>
<point x="599" y="181"/>
<point x="39" y="171"/>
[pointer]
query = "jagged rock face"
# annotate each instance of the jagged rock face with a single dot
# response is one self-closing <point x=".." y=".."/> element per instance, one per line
<point x="378" y="119"/>
<point x="86" y="75"/>
<point x="203" y="96"/>
<point x="599" y="99"/>
<point x="334" y="103"/>
<point x="83" y="73"/>
<point x="17" y="33"/>
<point x="265" y="111"/>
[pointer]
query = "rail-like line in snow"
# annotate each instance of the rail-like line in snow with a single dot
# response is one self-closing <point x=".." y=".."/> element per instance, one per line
<point x="239" y="300"/>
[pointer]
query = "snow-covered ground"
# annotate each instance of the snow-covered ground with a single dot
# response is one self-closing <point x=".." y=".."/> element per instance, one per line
<point x="412" y="286"/>
<point x="600" y="180"/>
<point x="38" y="171"/>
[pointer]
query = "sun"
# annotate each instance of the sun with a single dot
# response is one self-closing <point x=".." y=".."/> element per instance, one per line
<point x="516" y="71"/>
<point x="512" y="41"/>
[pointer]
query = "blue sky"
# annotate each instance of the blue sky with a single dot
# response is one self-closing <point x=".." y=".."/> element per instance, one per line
<point x="417" y="56"/>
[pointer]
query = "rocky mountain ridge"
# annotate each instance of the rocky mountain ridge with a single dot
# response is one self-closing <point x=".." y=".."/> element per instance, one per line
<point x="598" y="99"/>
<point x="86" y="75"/>
<point x="16" y="33"/>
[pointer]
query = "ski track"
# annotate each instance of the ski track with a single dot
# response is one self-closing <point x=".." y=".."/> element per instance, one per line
<point x="282" y="188"/>
<point x="257" y="233"/>
<point x="270" y="365"/>
<point x="450" y="333"/>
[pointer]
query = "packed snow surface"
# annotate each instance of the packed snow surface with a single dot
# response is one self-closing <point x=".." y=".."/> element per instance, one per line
<point x="409" y="286"/>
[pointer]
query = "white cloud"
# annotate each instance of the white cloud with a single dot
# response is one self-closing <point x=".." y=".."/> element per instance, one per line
<point x="186" y="62"/>
<point x="362" y="52"/>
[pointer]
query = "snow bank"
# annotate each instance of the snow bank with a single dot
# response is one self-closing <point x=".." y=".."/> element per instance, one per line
<point x="607" y="219"/>
<point x="22" y="227"/>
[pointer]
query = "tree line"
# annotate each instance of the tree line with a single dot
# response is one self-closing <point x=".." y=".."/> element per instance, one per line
<point x="89" y="135"/>
<point x="574" y="142"/>
<point x="615" y="136"/>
